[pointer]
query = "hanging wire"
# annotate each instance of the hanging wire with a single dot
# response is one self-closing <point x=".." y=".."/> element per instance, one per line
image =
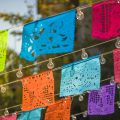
<point x="60" y="56"/>
<point x="81" y="7"/>
<point x="84" y="7"/>
<point x="55" y="69"/>
<point x="56" y="95"/>
<point x="11" y="107"/>
<point x="76" y="114"/>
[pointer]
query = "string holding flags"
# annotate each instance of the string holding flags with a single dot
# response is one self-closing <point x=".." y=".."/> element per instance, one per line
<point x="38" y="90"/>
<point x="57" y="94"/>
<point x="54" y="35"/>
<point x="3" y="48"/>
<point x="64" y="55"/>
<point x="80" y="76"/>
<point x="49" y="36"/>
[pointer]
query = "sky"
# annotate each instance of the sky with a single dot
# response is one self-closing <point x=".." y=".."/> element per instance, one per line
<point x="15" y="6"/>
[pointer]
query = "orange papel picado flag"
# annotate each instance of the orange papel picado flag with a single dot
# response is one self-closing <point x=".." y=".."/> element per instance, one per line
<point x="60" y="110"/>
<point x="3" y="48"/>
<point x="38" y="90"/>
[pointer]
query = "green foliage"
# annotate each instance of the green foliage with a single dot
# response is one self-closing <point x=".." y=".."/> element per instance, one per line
<point x="83" y="39"/>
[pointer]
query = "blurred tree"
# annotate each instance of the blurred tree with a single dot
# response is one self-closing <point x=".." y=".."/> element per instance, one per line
<point x="15" y="18"/>
<point x="83" y="38"/>
<point x="51" y="7"/>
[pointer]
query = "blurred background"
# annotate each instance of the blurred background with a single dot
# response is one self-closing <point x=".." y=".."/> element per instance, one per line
<point x="19" y="12"/>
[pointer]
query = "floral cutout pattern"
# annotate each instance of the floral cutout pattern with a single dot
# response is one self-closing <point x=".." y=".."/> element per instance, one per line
<point x="105" y="20"/>
<point x="116" y="55"/>
<point x="101" y="102"/>
<point x="80" y="76"/>
<point x="60" y="110"/>
<point x="31" y="115"/>
<point x="3" y="48"/>
<point x="9" y="117"/>
<point x="38" y="90"/>
<point x="49" y="36"/>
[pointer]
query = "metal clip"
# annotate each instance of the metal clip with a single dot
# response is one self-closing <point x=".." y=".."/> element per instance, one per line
<point x="6" y="112"/>
<point x="85" y="114"/>
<point x="118" y="103"/>
<point x="84" y="54"/>
<point x="80" y="14"/>
<point x="117" y="44"/>
<point x="112" y="82"/>
<point x="102" y="60"/>
<point x="74" y="117"/>
<point x="118" y="85"/>
<point x="50" y="65"/>
<point x="81" y="98"/>
<point x="3" y="89"/>
<point x="19" y="73"/>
